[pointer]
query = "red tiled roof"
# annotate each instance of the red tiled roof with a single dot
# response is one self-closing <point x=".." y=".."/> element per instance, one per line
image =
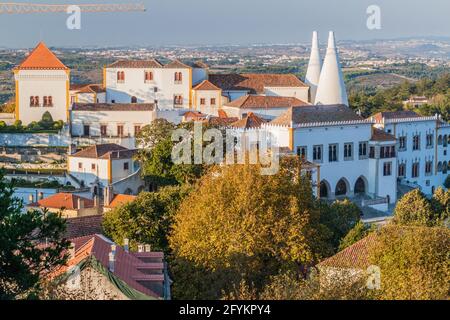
<point x="104" y="151"/>
<point x="194" y="115"/>
<point x="220" y="121"/>
<point x="380" y="135"/>
<point x="129" y="267"/>
<point x="113" y="107"/>
<point x="394" y="115"/>
<point x="206" y="85"/>
<point x="88" y="88"/>
<point x="120" y="199"/>
<point x="249" y="121"/>
<point x="176" y="64"/>
<point x="252" y="101"/>
<point x="41" y="58"/>
<point x="354" y="256"/>
<point x="83" y="226"/>
<point x="136" y="64"/>
<point x="62" y="200"/>
<point x="254" y="82"/>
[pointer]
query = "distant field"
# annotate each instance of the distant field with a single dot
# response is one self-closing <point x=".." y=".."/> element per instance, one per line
<point x="376" y="81"/>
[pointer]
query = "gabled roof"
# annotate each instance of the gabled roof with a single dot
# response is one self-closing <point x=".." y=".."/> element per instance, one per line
<point x="104" y="151"/>
<point x="120" y="199"/>
<point x="316" y="114"/>
<point x="83" y="226"/>
<point x="41" y="58"/>
<point x="113" y="107"/>
<point x="354" y="256"/>
<point x="254" y="83"/>
<point x="199" y="65"/>
<point x="136" y="64"/>
<point x="380" y="135"/>
<point x="87" y="88"/>
<point x="194" y="115"/>
<point x="176" y="64"/>
<point x="248" y="122"/>
<point x="129" y="267"/>
<point x="206" y="85"/>
<point x="253" y="101"/>
<point x="67" y="201"/>
<point x="394" y="115"/>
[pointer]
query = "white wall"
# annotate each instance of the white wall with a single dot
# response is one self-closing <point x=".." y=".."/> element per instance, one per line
<point x="266" y="113"/>
<point x="42" y="83"/>
<point x="207" y="95"/>
<point x="301" y="93"/>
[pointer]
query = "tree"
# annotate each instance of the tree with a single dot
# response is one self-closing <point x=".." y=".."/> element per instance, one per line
<point x="414" y="262"/>
<point x="158" y="130"/>
<point x="46" y="121"/>
<point x="240" y="225"/>
<point x="340" y="217"/>
<point x="358" y="232"/>
<point x="30" y="246"/>
<point x="146" y="220"/>
<point x="447" y="182"/>
<point x="415" y="209"/>
<point x="441" y="204"/>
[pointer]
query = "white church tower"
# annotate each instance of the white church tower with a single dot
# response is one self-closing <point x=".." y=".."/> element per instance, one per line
<point x="331" y="89"/>
<point x="313" y="72"/>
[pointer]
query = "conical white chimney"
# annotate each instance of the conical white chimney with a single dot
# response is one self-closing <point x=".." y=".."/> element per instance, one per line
<point x="313" y="72"/>
<point x="331" y="89"/>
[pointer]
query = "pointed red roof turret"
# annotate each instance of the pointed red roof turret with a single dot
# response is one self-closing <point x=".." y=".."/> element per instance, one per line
<point x="41" y="58"/>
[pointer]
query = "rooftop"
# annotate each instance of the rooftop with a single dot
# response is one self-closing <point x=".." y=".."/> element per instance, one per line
<point x="206" y="85"/>
<point x="113" y="107"/>
<point x="87" y="88"/>
<point x="104" y="151"/>
<point x="41" y="58"/>
<point x="380" y="135"/>
<point x="254" y="101"/>
<point x="136" y="64"/>
<point x="61" y="200"/>
<point x="120" y="199"/>
<point x="83" y="226"/>
<point x="316" y="114"/>
<point x="248" y="122"/>
<point x="394" y="115"/>
<point x="254" y="83"/>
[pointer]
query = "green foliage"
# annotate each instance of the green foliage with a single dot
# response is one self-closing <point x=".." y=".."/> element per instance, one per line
<point x="46" y="121"/>
<point x="340" y="217"/>
<point x="239" y="225"/>
<point x="146" y="220"/>
<point x="415" y="209"/>
<point x="414" y="262"/>
<point x="358" y="232"/>
<point x="23" y="264"/>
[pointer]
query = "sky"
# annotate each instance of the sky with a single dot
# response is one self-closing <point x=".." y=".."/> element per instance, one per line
<point x="203" y="22"/>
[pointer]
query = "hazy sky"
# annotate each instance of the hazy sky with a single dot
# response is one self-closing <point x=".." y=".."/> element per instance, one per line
<point x="227" y="22"/>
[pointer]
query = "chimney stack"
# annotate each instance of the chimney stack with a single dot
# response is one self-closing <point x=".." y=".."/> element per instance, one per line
<point x="140" y="248"/>
<point x="80" y="203"/>
<point x="148" y="248"/>
<point x="126" y="243"/>
<point x="112" y="259"/>
<point x="72" y="251"/>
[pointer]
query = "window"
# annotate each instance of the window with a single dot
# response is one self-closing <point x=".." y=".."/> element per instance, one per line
<point x="402" y="143"/>
<point x="362" y="150"/>
<point x="103" y="129"/>
<point x="387" y="152"/>
<point x="178" y="77"/>
<point x="317" y="153"/>
<point x="120" y="76"/>
<point x="125" y="166"/>
<point x="402" y="169"/>
<point x="333" y="153"/>
<point x="428" y="167"/>
<point x="416" y="142"/>
<point x="48" y="101"/>
<point x="444" y="167"/>
<point x="137" y="129"/>
<point x="213" y="101"/>
<point x="120" y="130"/>
<point x="80" y="165"/>
<point x="33" y="102"/>
<point x="202" y="101"/>
<point x="178" y="100"/>
<point x="45" y="101"/>
<point x="148" y="76"/>
<point x="86" y="130"/>
<point x="348" y="151"/>
<point x="439" y="167"/>
<point x="372" y="153"/>
<point x="415" y="170"/>
<point x="429" y="140"/>
<point x="440" y="140"/>
<point x="93" y="167"/>
<point x="387" y="169"/>
<point x="302" y="151"/>
<point x="445" y="141"/>
<point x="133" y="99"/>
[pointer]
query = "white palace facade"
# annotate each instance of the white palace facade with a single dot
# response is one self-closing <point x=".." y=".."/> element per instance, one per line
<point x="365" y="159"/>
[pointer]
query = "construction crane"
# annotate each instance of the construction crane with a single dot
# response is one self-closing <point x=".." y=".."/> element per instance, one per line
<point x="19" y="8"/>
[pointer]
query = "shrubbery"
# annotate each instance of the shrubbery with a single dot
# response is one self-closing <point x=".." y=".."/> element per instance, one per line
<point x="45" y="125"/>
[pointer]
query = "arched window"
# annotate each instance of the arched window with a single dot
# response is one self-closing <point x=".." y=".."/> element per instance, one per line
<point x="440" y="140"/>
<point x="148" y="76"/>
<point x="445" y="140"/>
<point x="178" y="77"/>
<point x="341" y="188"/>
<point x="32" y="101"/>
<point x="444" y="167"/>
<point x="120" y="76"/>
<point x="50" y="101"/>
<point x="439" y="166"/>
<point x="45" y="101"/>
<point x="36" y="101"/>
<point x="133" y="100"/>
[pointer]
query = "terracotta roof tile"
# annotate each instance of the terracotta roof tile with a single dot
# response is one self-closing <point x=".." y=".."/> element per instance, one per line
<point x="41" y="58"/>
<point x="380" y="135"/>
<point x="113" y="107"/>
<point x="253" y="101"/>
<point x="206" y="85"/>
<point x="136" y="64"/>
<point x="316" y="113"/>
<point x="394" y="115"/>
<point x="104" y="151"/>
<point x="83" y="226"/>
<point x="62" y="200"/>
<point x="254" y="83"/>
<point x="176" y="64"/>
<point x="120" y="199"/>
<point x="248" y="122"/>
